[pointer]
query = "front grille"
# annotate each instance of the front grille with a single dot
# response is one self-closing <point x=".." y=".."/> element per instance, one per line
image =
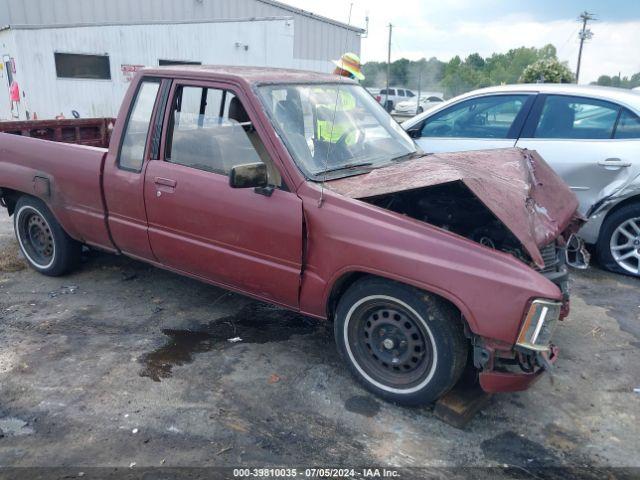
<point x="550" y="255"/>
<point x="555" y="268"/>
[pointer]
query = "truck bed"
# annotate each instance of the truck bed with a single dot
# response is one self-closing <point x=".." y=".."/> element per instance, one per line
<point x="93" y="132"/>
<point x="60" y="161"/>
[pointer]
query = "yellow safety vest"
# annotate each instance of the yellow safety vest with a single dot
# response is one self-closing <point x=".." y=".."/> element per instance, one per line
<point x="326" y="133"/>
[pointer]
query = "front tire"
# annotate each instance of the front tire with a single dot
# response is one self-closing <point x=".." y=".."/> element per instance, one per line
<point x="420" y="110"/>
<point x="403" y="344"/>
<point x="618" y="247"/>
<point x="46" y="246"/>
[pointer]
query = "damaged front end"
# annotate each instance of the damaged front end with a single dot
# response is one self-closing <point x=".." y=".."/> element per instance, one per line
<point x="507" y="200"/>
<point x="455" y="208"/>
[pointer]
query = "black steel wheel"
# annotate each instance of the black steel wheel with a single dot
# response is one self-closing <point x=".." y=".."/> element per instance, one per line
<point x="36" y="237"/>
<point x="392" y="345"/>
<point x="43" y="242"/>
<point x="401" y="343"/>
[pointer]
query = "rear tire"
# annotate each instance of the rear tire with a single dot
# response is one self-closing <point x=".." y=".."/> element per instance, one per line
<point x="616" y="250"/>
<point x="405" y="345"/>
<point x="46" y="246"/>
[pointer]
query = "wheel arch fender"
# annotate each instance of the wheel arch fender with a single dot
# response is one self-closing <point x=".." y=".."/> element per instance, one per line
<point x="41" y="189"/>
<point x="343" y="279"/>
<point x="634" y="199"/>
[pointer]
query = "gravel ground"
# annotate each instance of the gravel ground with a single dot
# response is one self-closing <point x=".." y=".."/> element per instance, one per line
<point x="123" y="363"/>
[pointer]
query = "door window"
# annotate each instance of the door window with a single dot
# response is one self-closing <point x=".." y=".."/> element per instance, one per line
<point x="484" y="117"/>
<point x="576" y="118"/>
<point x="401" y="93"/>
<point x="628" y="125"/>
<point x="133" y="149"/>
<point x="210" y="130"/>
<point x="410" y="93"/>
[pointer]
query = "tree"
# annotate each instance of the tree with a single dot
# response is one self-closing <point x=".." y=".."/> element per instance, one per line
<point x="547" y="71"/>
<point x="475" y="61"/>
<point x="604" y="80"/>
<point x="458" y="76"/>
<point x="616" y="81"/>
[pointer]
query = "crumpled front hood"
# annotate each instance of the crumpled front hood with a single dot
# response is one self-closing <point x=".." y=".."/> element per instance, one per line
<point x="517" y="185"/>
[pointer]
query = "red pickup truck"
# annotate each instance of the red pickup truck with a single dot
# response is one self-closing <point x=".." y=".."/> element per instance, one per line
<point x="298" y="189"/>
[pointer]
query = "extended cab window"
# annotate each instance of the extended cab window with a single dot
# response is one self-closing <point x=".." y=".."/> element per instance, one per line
<point x="210" y="130"/>
<point x="576" y="118"/>
<point x="628" y="125"/>
<point x="484" y="117"/>
<point x="134" y="140"/>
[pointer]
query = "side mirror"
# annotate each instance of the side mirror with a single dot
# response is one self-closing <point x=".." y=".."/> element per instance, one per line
<point x="415" y="131"/>
<point x="251" y="175"/>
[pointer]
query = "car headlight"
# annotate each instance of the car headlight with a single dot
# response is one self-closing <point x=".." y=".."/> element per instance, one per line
<point x="539" y="324"/>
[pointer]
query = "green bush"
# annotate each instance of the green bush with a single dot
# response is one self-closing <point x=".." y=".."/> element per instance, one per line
<point x="547" y="70"/>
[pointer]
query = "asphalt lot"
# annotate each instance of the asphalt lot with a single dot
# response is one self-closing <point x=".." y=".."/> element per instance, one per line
<point x="123" y="363"/>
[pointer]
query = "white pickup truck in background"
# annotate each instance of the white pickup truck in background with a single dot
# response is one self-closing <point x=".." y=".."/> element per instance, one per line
<point x="395" y="95"/>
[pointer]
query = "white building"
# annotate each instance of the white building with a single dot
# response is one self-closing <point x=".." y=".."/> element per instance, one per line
<point x="79" y="55"/>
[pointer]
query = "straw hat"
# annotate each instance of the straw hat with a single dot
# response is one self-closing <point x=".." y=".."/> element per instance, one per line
<point x="351" y="63"/>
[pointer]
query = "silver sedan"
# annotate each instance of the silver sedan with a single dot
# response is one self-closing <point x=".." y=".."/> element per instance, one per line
<point x="589" y="135"/>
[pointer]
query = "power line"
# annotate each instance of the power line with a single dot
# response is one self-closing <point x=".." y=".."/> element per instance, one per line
<point x="585" y="34"/>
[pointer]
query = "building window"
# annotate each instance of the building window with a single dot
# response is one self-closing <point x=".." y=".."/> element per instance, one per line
<point x="74" y="65"/>
<point x="165" y="63"/>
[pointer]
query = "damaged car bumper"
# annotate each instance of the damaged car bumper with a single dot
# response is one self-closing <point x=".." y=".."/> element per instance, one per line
<point x="511" y="369"/>
<point x="498" y="380"/>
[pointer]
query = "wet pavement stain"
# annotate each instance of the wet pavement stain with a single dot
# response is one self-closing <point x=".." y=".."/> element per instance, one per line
<point x="512" y="449"/>
<point x="254" y="323"/>
<point x="524" y="458"/>
<point x="362" y="405"/>
<point x="179" y="350"/>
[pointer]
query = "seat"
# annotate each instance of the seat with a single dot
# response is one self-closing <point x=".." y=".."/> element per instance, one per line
<point x="197" y="148"/>
<point x="238" y="114"/>
<point x="557" y="121"/>
<point x="290" y="117"/>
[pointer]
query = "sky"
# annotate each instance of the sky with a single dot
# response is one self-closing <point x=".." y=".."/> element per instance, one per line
<point x="445" y="28"/>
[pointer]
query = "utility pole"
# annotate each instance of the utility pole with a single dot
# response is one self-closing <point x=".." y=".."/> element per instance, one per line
<point x="386" y="98"/>
<point x="419" y="87"/>
<point x="584" y="34"/>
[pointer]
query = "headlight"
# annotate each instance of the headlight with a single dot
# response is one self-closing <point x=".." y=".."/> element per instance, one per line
<point x="539" y="325"/>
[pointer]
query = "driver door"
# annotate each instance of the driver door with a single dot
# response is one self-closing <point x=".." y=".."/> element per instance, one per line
<point x="487" y="122"/>
<point x="198" y="224"/>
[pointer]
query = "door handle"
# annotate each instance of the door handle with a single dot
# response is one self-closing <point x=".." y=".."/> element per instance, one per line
<point x="166" y="182"/>
<point x="614" y="162"/>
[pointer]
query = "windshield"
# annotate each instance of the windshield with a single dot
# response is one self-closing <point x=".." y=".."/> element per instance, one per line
<point x="337" y="129"/>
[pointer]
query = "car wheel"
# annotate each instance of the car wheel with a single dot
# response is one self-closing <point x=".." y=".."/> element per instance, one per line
<point x="389" y="106"/>
<point x="420" y="110"/>
<point x="618" y="247"/>
<point x="46" y="246"/>
<point x="403" y="344"/>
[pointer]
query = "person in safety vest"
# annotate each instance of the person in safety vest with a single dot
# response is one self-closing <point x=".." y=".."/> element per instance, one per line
<point x="332" y="124"/>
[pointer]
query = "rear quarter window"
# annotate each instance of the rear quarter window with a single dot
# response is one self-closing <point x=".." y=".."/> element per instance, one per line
<point x="628" y="125"/>
<point x="133" y="149"/>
